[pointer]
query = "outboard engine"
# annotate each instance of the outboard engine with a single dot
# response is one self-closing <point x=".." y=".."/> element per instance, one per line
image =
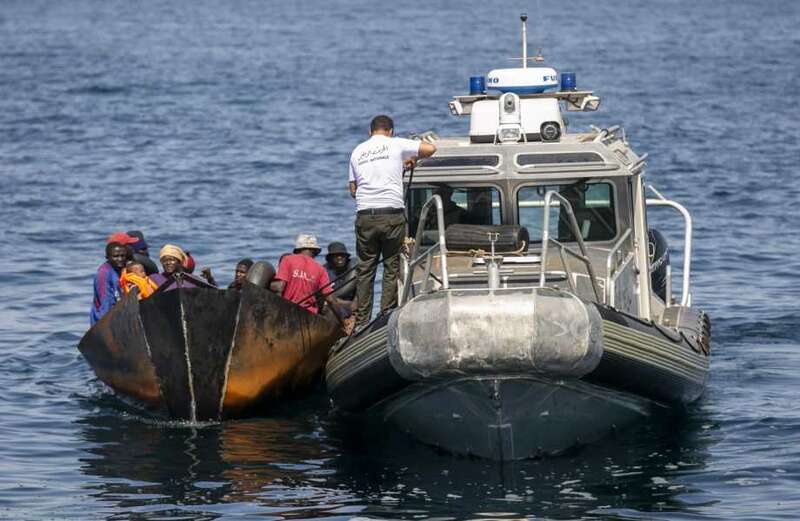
<point x="658" y="251"/>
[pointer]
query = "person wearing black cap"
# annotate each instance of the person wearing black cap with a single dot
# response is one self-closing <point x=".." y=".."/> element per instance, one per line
<point x="342" y="273"/>
<point x="141" y="253"/>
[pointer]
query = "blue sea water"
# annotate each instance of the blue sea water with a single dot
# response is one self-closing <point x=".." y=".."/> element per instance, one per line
<point x="226" y="127"/>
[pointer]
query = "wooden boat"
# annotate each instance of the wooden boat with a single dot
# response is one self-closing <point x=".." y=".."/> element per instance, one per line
<point x="201" y="354"/>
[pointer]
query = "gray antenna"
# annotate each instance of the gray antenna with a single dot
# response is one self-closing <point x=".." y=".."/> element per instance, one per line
<point x="524" y="18"/>
<point x="538" y="57"/>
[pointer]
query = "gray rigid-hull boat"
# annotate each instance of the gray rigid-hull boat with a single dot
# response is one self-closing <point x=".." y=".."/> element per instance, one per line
<point x="536" y="308"/>
<point x="200" y="354"/>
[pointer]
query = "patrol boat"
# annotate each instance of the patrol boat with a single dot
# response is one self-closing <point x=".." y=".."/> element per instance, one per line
<point x="536" y="309"/>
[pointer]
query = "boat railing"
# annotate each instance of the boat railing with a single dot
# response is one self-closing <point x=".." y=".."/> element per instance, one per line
<point x="612" y="253"/>
<point x="415" y="258"/>
<point x="686" y="296"/>
<point x="613" y="264"/>
<point x="563" y="249"/>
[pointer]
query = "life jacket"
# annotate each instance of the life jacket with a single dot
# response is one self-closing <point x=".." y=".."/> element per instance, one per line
<point x="129" y="281"/>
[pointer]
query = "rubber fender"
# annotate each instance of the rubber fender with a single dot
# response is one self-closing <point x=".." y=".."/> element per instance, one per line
<point x="465" y="237"/>
<point x="658" y="252"/>
<point x="261" y="274"/>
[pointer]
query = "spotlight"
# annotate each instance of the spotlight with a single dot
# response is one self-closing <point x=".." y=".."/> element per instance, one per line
<point x="550" y="131"/>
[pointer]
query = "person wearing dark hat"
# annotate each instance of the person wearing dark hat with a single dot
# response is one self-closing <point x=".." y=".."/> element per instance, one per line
<point x="376" y="183"/>
<point x="141" y="252"/>
<point x="107" y="290"/>
<point x="342" y="273"/>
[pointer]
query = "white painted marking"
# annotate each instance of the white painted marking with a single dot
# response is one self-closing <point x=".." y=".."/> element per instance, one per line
<point x="193" y="416"/>
<point x="228" y="361"/>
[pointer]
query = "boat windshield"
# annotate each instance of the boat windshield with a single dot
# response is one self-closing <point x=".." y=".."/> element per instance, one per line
<point x="462" y="205"/>
<point x="593" y="204"/>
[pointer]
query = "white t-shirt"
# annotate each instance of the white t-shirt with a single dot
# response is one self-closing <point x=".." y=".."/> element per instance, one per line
<point x="376" y="166"/>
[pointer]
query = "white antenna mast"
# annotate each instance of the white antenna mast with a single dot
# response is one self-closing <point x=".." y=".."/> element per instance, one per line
<point x="538" y="57"/>
<point x="524" y="18"/>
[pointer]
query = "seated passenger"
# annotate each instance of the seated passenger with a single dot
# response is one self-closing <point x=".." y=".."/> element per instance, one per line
<point x="141" y="252"/>
<point x="134" y="278"/>
<point x="300" y="277"/>
<point x="452" y="213"/>
<point x="240" y="273"/>
<point x="188" y="262"/>
<point x="342" y="273"/>
<point x="172" y="260"/>
<point x="107" y="290"/>
<point x="480" y="207"/>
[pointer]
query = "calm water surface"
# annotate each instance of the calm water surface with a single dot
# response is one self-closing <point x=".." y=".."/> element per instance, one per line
<point x="226" y="127"/>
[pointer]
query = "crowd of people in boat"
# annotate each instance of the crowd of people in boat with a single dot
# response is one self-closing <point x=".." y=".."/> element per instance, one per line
<point x="128" y="268"/>
<point x="375" y="181"/>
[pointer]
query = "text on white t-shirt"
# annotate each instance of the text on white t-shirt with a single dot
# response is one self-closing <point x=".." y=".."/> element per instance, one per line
<point x="376" y="166"/>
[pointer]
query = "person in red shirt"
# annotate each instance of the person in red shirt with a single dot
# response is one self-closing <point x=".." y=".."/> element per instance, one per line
<point x="300" y="277"/>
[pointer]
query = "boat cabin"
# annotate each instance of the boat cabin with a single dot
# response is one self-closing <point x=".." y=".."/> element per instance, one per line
<point x="575" y="203"/>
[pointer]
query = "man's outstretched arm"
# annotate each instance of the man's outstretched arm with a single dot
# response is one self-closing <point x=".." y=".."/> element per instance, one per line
<point x="426" y="149"/>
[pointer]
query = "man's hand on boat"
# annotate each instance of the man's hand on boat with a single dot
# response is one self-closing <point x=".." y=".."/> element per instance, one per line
<point x="206" y="274"/>
<point x="336" y="305"/>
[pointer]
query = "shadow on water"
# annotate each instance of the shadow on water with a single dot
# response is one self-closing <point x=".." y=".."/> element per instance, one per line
<point x="643" y="470"/>
<point x="171" y="470"/>
<point x="305" y="463"/>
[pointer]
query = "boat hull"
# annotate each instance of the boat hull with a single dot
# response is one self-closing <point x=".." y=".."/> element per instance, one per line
<point x="475" y="402"/>
<point x="511" y="417"/>
<point x="201" y="354"/>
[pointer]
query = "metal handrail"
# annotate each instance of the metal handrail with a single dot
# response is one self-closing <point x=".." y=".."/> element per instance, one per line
<point x="583" y="256"/>
<point x="417" y="257"/>
<point x="686" y="296"/>
<point x="613" y="251"/>
<point x="470" y="168"/>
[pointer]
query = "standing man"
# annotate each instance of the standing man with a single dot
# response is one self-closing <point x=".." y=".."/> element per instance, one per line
<point x="299" y="276"/>
<point x="376" y="183"/>
<point x="107" y="290"/>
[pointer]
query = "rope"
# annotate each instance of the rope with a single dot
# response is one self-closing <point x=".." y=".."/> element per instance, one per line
<point x="479" y="252"/>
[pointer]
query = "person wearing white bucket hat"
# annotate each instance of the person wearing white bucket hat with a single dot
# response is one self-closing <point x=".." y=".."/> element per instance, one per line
<point x="306" y="241"/>
<point x="300" y="276"/>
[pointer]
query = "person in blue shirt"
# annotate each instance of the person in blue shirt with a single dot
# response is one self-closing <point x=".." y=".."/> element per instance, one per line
<point x="106" y="282"/>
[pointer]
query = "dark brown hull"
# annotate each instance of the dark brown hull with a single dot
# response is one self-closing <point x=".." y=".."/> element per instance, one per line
<point x="204" y="354"/>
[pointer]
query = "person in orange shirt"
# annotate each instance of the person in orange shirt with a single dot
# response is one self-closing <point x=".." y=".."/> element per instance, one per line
<point x="134" y="277"/>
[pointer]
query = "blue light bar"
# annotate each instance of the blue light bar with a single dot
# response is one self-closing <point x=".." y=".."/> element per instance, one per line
<point x="477" y="85"/>
<point x="568" y="81"/>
